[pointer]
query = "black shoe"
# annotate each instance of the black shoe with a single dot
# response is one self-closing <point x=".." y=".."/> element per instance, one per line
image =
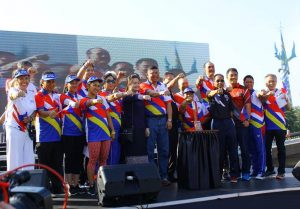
<point x="73" y="190"/>
<point x="172" y="178"/>
<point x="269" y="173"/>
<point x="81" y="190"/>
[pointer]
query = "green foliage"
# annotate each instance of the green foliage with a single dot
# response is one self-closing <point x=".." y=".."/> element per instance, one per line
<point x="293" y="119"/>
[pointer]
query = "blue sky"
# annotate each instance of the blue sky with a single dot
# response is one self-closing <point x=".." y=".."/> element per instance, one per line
<point x="240" y="34"/>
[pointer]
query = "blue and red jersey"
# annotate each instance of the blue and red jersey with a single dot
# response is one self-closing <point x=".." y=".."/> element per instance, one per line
<point x="206" y="86"/>
<point x="157" y="105"/>
<point x="115" y="109"/>
<point x="82" y="89"/>
<point x="47" y="129"/>
<point x="240" y="96"/>
<point x="71" y="115"/>
<point x="274" y="112"/>
<point x="96" y="125"/>
<point x="196" y="111"/>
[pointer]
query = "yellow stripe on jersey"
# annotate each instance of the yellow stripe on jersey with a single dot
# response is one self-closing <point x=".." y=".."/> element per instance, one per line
<point x="256" y="124"/>
<point x="75" y="121"/>
<point x="115" y="116"/>
<point x="154" y="110"/>
<point x="53" y="123"/>
<point x="99" y="123"/>
<point x="275" y="120"/>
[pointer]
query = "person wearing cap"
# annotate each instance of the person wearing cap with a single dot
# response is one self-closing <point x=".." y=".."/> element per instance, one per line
<point x="72" y="133"/>
<point x="159" y="120"/>
<point x="179" y="96"/>
<point x="221" y="111"/>
<point x="115" y="109"/>
<point x="193" y="114"/>
<point x="48" y="129"/>
<point x="20" y="110"/>
<point x="98" y="128"/>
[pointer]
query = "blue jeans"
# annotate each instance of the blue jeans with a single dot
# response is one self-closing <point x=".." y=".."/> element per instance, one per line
<point x="242" y="135"/>
<point x="159" y="136"/>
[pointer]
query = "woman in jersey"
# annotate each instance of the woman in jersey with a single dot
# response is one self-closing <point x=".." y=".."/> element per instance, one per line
<point x="114" y="102"/>
<point x="20" y="110"/>
<point x="72" y="133"/>
<point x="98" y="127"/>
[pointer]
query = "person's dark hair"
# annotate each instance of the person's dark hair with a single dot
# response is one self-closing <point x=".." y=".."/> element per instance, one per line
<point x="169" y="73"/>
<point x="131" y="77"/>
<point x="248" y="76"/>
<point x="218" y="74"/>
<point x="231" y="70"/>
<point x="25" y="64"/>
<point x="152" y="68"/>
<point x="152" y="61"/>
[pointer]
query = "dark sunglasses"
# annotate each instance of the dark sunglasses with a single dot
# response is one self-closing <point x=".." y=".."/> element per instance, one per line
<point x="220" y="81"/>
<point x="110" y="81"/>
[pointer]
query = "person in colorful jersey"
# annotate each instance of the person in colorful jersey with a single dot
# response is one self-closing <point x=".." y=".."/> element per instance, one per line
<point x="241" y="99"/>
<point x="221" y="110"/>
<point x="205" y="82"/>
<point x="171" y="81"/>
<point x="256" y="128"/>
<point x="84" y="73"/>
<point x="193" y="114"/>
<point x="275" y="106"/>
<point x="48" y="129"/>
<point x="72" y="133"/>
<point x="159" y="120"/>
<point x="115" y="108"/>
<point x="20" y="110"/>
<point x="99" y="128"/>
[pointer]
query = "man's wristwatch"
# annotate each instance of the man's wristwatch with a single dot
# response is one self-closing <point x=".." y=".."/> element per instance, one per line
<point x="169" y="120"/>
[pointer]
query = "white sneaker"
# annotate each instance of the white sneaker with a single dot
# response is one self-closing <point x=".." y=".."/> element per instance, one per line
<point x="259" y="176"/>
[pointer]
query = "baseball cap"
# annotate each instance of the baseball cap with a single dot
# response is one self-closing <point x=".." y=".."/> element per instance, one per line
<point x="71" y="78"/>
<point x="110" y="73"/>
<point x="188" y="89"/>
<point x="94" y="78"/>
<point x="21" y="72"/>
<point x="48" y="76"/>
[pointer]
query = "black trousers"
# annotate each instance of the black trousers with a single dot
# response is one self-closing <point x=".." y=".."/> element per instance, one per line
<point x="51" y="154"/>
<point x="173" y="143"/>
<point x="279" y="136"/>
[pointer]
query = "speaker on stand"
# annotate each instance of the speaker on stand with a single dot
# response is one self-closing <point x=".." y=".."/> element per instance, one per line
<point x="128" y="184"/>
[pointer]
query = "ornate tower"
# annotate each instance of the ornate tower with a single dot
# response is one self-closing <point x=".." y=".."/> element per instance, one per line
<point x="285" y="70"/>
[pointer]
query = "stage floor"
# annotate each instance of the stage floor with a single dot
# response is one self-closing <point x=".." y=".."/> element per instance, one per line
<point x="171" y="196"/>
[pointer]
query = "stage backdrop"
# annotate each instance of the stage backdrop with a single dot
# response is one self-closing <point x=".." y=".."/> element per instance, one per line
<point x="64" y="54"/>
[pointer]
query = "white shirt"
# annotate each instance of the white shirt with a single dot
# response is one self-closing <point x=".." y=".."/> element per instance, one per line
<point x="22" y="106"/>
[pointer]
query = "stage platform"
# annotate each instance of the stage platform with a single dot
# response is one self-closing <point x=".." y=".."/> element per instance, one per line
<point x="255" y="194"/>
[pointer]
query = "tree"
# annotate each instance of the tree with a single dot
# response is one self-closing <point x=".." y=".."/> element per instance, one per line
<point x="293" y="119"/>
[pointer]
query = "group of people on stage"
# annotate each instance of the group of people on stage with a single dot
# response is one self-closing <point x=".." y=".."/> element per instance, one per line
<point x="91" y="112"/>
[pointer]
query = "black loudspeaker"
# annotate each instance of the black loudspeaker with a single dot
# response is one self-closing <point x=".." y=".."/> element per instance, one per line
<point x="128" y="184"/>
<point x="296" y="171"/>
<point x="38" y="178"/>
